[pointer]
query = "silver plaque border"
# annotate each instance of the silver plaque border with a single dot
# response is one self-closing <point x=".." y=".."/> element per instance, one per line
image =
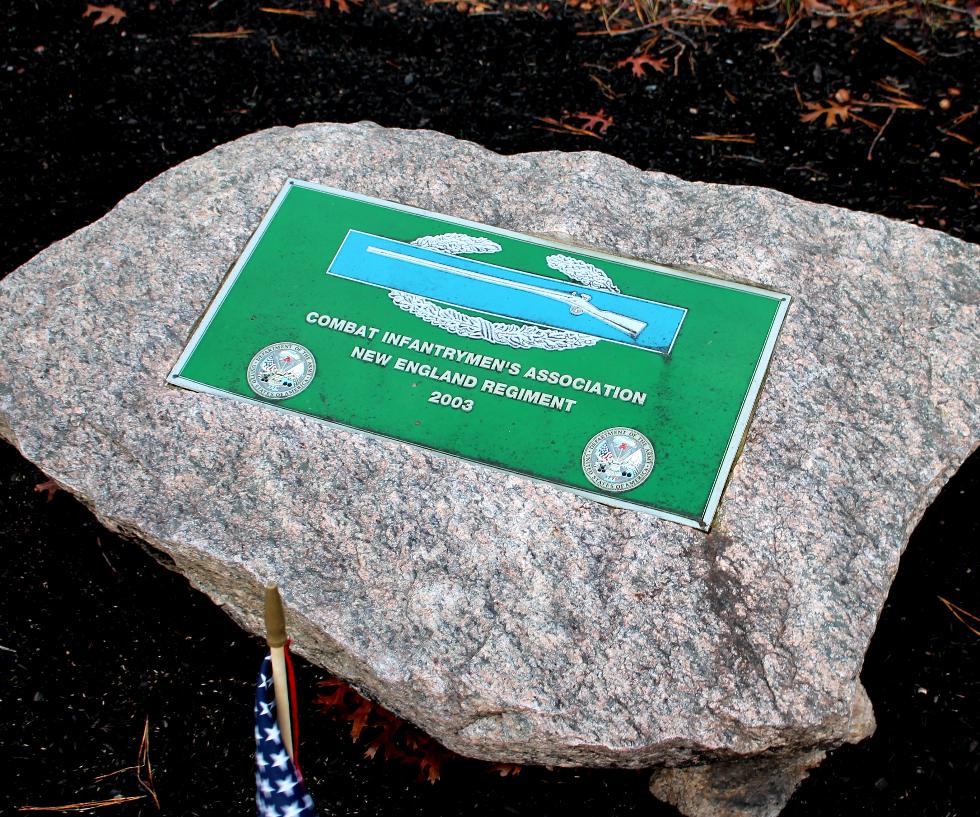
<point x="735" y="440"/>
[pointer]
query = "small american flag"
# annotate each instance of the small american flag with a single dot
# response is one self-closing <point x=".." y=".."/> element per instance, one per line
<point x="279" y="788"/>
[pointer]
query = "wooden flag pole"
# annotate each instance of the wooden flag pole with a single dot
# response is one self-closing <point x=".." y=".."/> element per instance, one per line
<point x="275" y="636"/>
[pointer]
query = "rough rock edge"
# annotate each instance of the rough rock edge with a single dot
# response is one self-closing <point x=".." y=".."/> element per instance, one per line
<point x="756" y="787"/>
<point x="239" y="609"/>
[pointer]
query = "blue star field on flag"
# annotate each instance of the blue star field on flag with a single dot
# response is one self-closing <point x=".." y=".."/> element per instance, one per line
<point x="279" y="788"/>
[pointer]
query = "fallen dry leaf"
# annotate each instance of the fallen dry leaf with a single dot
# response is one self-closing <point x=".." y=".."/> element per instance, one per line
<point x="106" y="14"/>
<point x="638" y="64"/>
<point x="813" y="6"/>
<point x="342" y="5"/>
<point x="831" y="110"/>
<point x="359" y="719"/>
<point x="505" y="769"/>
<point x="595" y="122"/>
<point x="429" y="768"/>
<point x="736" y="7"/>
<point x="386" y="734"/>
<point x="49" y="486"/>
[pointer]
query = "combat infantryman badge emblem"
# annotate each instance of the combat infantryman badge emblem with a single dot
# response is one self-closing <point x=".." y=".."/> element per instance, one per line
<point x="618" y="459"/>
<point x="281" y="370"/>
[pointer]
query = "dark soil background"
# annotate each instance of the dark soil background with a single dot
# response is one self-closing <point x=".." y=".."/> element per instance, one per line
<point x="95" y="636"/>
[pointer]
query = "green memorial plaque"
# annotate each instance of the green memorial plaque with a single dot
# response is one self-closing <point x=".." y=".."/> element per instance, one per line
<point x="628" y="382"/>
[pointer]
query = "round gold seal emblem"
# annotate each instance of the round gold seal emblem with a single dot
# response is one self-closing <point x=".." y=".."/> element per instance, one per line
<point x="281" y="370"/>
<point x="618" y="459"/>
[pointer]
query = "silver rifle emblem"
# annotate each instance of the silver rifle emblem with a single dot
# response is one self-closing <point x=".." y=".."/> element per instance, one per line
<point x="578" y="302"/>
<point x="598" y="311"/>
<point x="520" y="336"/>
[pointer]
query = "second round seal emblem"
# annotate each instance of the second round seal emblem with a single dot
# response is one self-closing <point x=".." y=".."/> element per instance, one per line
<point x="281" y="370"/>
<point x="618" y="459"/>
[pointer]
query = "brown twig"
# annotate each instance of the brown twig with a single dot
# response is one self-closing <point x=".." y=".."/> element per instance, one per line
<point x="895" y="102"/>
<point x="98" y="541"/>
<point x="772" y="46"/>
<point x="239" y="33"/>
<point x="615" y="32"/>
<point x="677" y="59"/>
<point x="878" y="135"/>
<point x="958" y="611"/>
<point x="291" y="12"/>
<point x="908" y="52"/>
<point x="113" y="774"/>
<point x="745" y="138"/>
<point x="959" y="136"/>
<point x="89" y="804"/>
<point x="143" y="759"/>
<point x="858" y="14"/>
<point x="563" y="127"/>
<point x="866" y="122"/>
<point x="754" y="24"/>
<point x="894" y="90"/>
<point x="947" y="7"/>
<point x="868" y="12"/>
<point x="973" y="187"/>
<point x="963" y="117"/>
<point x="604" y="87"/>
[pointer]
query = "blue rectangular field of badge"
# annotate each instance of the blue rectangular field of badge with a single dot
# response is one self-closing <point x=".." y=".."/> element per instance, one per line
<point x="508" y="293"/>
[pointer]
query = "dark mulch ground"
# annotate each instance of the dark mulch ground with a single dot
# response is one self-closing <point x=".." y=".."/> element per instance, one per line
<point x="102" y="637"/>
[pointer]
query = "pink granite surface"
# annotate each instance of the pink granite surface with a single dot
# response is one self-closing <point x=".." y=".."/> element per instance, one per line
<point x="512" y="620"/>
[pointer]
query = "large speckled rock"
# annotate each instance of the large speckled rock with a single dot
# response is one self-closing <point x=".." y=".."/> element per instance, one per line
<point x="511" y="620"/>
